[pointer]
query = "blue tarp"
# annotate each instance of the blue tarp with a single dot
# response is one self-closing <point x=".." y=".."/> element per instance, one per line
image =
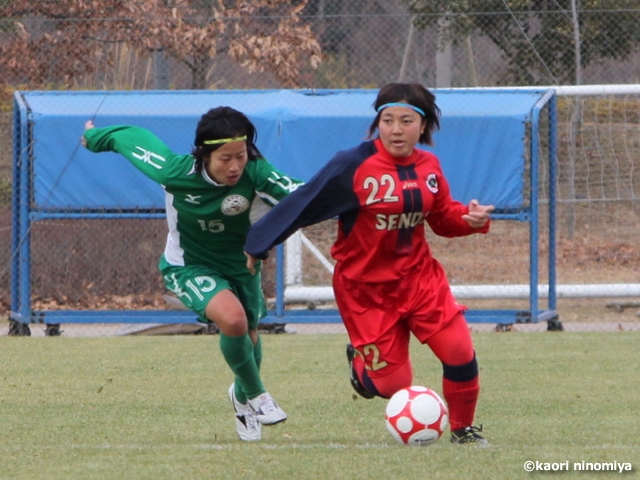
<point x="481" y="143"/>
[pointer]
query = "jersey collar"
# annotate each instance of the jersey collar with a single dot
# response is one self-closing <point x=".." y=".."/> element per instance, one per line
<point x="387" y="156"/>
<point x="210" y="180"/>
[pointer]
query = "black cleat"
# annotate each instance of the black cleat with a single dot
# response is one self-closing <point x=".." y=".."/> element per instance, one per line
<point x="469" y="434"/>
<point x="353" y="377"/>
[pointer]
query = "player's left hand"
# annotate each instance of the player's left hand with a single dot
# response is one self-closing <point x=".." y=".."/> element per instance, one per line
<point x="478" y="214"/>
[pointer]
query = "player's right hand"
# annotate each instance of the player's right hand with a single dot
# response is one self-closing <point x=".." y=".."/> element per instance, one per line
<point x="251" y="262"/>
<point x="88" y="125"/>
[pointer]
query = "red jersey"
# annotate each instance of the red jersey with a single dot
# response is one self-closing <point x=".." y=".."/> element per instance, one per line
<point x="382" y="203"/>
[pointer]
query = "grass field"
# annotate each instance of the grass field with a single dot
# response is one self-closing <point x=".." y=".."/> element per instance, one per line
<point x="156" y="408"/>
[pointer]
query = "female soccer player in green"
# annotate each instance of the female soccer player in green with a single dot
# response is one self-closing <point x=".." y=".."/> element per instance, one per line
<point x="213" y="195"/>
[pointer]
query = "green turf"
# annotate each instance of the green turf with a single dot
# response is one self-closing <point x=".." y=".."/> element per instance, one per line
<point x="156" y="408"/>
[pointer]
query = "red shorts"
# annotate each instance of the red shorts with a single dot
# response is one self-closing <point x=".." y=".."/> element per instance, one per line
<point x="380" y="317"/>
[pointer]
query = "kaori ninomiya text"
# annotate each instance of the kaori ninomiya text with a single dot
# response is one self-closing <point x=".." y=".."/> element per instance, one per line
<point x="583" y="466"/>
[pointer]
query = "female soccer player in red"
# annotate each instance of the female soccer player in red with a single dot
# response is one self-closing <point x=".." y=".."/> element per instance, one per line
<point x="387" y="283"/>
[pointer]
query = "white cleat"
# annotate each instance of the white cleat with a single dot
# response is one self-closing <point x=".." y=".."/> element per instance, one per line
<point x="266" y="409"/>
<point x="247" y="425"/>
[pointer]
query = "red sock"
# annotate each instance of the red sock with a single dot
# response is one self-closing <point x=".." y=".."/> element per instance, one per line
<point x="462" y="398"/>
<point x="400" y="378"/>
<point x="387" y="385"/>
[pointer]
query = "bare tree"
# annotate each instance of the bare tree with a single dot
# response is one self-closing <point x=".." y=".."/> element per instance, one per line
<point x="57" y="41"/>
<point x="538" y="36"/>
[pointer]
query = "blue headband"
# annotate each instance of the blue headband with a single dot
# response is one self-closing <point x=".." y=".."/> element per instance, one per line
<point x="401" y="104"/>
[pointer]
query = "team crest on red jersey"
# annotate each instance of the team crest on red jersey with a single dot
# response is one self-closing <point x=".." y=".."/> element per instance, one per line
<point x="432" y="183"/>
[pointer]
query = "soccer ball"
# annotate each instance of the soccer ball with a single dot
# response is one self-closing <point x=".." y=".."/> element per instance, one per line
<point x="416" y="416"/>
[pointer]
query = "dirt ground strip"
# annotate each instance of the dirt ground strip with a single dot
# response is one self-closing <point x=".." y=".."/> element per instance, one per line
<point x="113" y="330"/>
<point x="575" y="315"/>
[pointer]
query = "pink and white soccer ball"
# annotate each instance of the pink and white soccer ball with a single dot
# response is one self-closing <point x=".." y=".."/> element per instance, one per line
<point x="416" y="416"/>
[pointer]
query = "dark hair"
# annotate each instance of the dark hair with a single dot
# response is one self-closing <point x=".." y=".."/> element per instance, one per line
<point x="220" y="123"/>
<point x="414" y="94"/>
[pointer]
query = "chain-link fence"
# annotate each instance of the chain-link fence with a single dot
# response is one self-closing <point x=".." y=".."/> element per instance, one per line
<point x="73" y="44"/>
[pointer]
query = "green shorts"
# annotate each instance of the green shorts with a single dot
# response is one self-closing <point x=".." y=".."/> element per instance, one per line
<point x="196" y="285"/>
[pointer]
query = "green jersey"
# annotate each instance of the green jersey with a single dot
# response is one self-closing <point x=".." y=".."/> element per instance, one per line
<point x="208" y="222"/>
